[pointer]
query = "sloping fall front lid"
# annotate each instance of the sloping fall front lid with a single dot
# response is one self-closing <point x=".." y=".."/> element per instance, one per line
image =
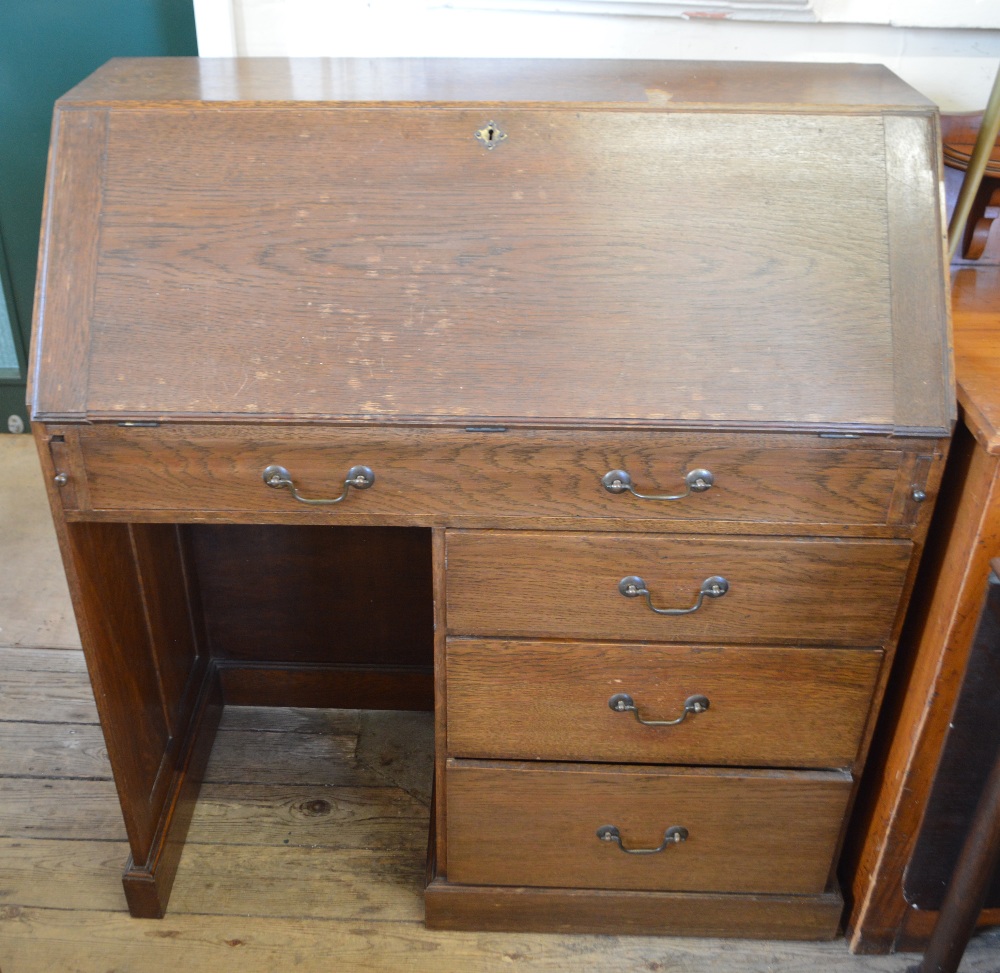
<point x="649" y="243"/>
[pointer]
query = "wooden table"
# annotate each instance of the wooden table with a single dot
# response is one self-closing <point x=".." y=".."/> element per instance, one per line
<point x="937" y="641"/>
<point x="599" y="405"/>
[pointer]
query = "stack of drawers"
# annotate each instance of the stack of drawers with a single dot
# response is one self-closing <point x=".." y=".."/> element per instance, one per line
<point x="679" y="708"/>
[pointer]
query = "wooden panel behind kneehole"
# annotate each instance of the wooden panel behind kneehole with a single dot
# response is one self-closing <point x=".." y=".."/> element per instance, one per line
<point x="303" y="595"/>
<point x="782" y="590"/>
<point x="175" y="630"/>
<point x="748" y="831"/>
<point x="548" y="700"/>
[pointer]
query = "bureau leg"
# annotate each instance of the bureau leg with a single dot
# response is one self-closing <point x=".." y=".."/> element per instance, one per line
<point x="147" y="885"/>
<point x="158" y="696"/>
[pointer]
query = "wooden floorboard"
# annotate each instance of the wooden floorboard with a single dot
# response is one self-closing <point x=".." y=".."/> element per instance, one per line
<point x="329" y="817"/>
<point x="268" y="719"/>
<point x="241" y="756"/>
<point x="78" y="941"/>
<point x="60" y="698"/>
<point x="63" y="874"/>
<point x="305" y="853"/>
<point x="50" y="660"/>
<point x="79" y="810"/>
<point x="35" y="608"/>
<point x="300" y="882"/>
<point x="53" y="750"/>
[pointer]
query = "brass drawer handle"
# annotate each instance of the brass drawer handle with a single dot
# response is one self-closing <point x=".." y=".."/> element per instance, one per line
<point x="359" y="477"/>
<point x="634" y="587"/>
<point x="672" y="836"/>
<point x="693" y="705"/>
<point x="618" y="481"/>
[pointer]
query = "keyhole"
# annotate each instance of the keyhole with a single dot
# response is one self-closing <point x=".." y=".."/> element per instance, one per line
<point x="490" y="135"/>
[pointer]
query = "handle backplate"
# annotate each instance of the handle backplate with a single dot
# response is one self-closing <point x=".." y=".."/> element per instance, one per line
<point x="672" y="836"/>
<point x="278" y="478"/>
<point x="634" y="587"/>
<point x="620" y="481"/>
<point x="693" y="705"/>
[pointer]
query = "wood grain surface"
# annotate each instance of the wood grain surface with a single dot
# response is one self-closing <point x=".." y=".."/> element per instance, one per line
<point x="439" y="475"/>
<point x="404" y="295"/>
<point x="308" y="595"/>
<point x="614" y="912"/>
<point x="123" y="669"/>
<point x="663" y="84"/>
<point x="935" y="644"/>
<point x="749" y="831"/>
<point x="974" y="297"/>
<point x="68" y="264"/>
<point x="627" y="279"/>
<point x="549" y="701"/>
<point x="923" y="376"/>
<point x="404" y="291"/>
<point x="789" y="590"/>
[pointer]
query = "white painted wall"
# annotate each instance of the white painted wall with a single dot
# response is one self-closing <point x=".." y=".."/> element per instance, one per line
<point x="953" y="62"/>
<point x="910" y="13"/>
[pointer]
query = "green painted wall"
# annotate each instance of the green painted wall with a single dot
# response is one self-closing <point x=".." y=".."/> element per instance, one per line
<point x="46" y="47"/>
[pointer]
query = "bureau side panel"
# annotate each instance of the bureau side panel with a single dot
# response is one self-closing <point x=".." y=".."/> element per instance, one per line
<point x="60" y="354"/>
<point x="923" y="368"/>
<point x="111" y="613"/>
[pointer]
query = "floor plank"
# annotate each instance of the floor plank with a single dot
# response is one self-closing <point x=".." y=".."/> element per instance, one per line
<point x="61" y="697"/>
<point x="29" y="658"/>
<point x="76" y="809"/>
<point x="399" y="748"/>
<point x="297" y="882"/>
<point x="63" y="874"/>
<point x="241" y="756"/>
<point x="42" y="941"/>
<point x="289" y="719"/>
<point x="53" y="750"/>
<point x="320" y="816"/>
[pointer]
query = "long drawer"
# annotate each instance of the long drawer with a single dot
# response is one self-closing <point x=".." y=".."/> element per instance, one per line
<point x="587" y="586"/>
<point x="436" y="475"/>
<point x="781" y="707"/>
<point x="743" y="831"/>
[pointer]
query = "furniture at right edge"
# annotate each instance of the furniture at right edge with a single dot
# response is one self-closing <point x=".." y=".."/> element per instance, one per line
<point x="910" y="819"/>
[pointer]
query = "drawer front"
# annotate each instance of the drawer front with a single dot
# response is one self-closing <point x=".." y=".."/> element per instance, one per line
<point x="793" y="707"/>
<point x="747" y="831"/>
<point x="453" y="474"/>
<point x="568" y="585"/>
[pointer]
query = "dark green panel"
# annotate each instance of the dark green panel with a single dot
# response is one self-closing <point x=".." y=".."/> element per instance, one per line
<point x="12" y="350"/>
<point x="46" y="47"/>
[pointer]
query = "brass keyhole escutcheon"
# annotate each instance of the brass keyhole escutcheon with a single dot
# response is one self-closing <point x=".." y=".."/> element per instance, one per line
<point x="491" y="135"/>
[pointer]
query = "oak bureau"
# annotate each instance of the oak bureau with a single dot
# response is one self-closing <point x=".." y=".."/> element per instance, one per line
<point x="600" y="406"/>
